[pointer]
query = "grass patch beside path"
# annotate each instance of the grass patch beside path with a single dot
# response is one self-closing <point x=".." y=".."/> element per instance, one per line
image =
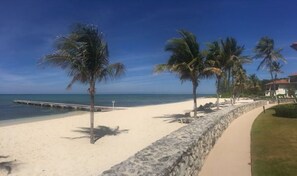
<point x="274" y="145"/>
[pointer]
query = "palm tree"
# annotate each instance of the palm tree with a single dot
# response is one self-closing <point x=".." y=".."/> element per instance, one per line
<point x="231" y="53"/>
<point x="186" y="61"/>
<point x="254" y="83"/>
<point x="232" y="57"/>
<point x="276" y="68"/>
<point x="265" y="50"/>
<point x="238" y="71"/>
<point x="215" y="64"/>
<point x="254" y="80"/>
<point x="240" y="79"/>
<point x="84" y="55"/>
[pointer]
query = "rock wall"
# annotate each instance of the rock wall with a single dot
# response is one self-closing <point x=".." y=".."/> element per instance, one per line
<point x="286" y="100"/>
<point x="183" y="151"/>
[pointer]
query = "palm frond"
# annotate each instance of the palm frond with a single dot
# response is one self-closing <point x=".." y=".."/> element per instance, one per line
<point x="265" y="50"/>
<point x="162" y="68"/>
<point x="214" y="70"/>
<point x="84" y="55"/>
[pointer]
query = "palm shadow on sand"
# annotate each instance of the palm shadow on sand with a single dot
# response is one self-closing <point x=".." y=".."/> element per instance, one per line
<point x="172" y="118"/>
<point x="99" y="132"/>
<point x="7" y="165"/>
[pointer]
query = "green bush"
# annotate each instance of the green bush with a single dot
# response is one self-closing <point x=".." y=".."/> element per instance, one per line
<point x="286" y="110"/>
<point x="225" y="95"/>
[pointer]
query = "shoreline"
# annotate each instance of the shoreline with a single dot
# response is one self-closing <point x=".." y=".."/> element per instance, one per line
<point x="17" y="121"/>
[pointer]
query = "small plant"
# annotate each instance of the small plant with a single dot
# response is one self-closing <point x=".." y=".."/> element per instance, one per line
<point x="286" y="110"/>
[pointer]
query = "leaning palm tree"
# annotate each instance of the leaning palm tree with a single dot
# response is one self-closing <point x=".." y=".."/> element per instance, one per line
<point x="84" y="55"/>
<point x="186" y="61"/>
<point x="265" y="50"/>
<point x="215" y="64"/>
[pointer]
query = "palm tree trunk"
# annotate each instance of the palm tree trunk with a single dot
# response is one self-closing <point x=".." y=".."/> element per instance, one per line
<point x="233" y="95"/>
<point x="272" y="93"/>
<point x="228" y="82"/>
<point x="92" y="96"/>
<point x="195" y="85"/>
<point x="232" y="87"/>
<point x="218" y="92"/>
<point x="274" y="87"/>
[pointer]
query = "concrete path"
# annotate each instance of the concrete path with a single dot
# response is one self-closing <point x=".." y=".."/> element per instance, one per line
<point x="231" y="154"/>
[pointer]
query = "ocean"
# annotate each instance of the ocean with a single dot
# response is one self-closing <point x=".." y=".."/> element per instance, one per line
<point x="10" y="110"/>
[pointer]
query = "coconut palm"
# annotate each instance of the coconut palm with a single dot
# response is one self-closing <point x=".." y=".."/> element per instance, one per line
<point x="254" y="83"/>
<point x="186" y="61"/>
<point x="238" y="71"/>
<point x="276" y="68"/>
<point x="232" y="57"/>
<point x="265" y="50"/>
<point x="254" y="80"/>
<point x="232" y="54"/>
<point x="216" y="64"/>
<point x="84" y="55"/>
<point x="240" y="80"/>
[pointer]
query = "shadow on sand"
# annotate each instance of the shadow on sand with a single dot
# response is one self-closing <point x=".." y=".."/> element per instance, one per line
<point x="7" y="165"/>
<point x="185" y="118"/>
<point x="99" y="132"/>
<point x="171" y="118"/>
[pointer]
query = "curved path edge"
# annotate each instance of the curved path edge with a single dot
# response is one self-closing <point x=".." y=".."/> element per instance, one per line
<point x="230" y="156"/>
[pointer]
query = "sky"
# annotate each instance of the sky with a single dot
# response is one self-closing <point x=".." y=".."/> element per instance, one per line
<point x="136" y="32"/>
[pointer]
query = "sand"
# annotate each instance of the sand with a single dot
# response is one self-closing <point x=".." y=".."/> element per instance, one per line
<point x="231" y="154"/>
<point x="60" y="147"/>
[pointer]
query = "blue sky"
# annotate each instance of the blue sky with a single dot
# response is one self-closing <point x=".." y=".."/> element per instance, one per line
<point x="136" y="31"/>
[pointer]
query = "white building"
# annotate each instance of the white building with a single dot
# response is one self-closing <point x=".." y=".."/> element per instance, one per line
<point x="282" y="86"/>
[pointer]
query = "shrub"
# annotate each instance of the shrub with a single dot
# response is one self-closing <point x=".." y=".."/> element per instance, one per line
<point x="286" y="110"/>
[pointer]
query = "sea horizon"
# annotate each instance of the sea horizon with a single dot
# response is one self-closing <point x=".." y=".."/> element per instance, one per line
<point x="10" y="110"/>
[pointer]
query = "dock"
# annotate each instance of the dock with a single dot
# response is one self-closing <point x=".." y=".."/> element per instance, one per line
<point x="79" y="107"/>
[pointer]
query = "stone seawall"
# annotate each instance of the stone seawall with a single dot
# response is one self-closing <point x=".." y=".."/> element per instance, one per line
<point x="183" y="151"/>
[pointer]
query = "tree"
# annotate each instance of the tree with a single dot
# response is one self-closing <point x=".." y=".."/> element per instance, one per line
<point x="254" y="84"/>
<point x="186" y="61"/>
<point x="253" y="78"/>
<point x="84" y="55"/>
<point x="215" y="64"/>
<point x="232" y="57"/>
<point x="265" y="50"/>
<point x="276" y="68"/>
<point x="240" y="79"/>
<point x="232" y="54"/>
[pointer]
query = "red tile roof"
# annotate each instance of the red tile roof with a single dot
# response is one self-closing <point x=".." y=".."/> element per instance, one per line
<point x="280" y="81"/>
<point x="293" y="74"/>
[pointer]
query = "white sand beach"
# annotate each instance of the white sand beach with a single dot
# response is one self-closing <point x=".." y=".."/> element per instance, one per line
<point x="61" y="146"/>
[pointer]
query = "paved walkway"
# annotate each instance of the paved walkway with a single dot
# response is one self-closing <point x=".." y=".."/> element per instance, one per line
<point x="231" y="154"/>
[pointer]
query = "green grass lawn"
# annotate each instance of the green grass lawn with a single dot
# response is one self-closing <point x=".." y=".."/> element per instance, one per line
<point x="274" y="145"/>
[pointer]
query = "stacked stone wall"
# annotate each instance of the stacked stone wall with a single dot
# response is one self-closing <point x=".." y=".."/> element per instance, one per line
<point x="182" y="152"/>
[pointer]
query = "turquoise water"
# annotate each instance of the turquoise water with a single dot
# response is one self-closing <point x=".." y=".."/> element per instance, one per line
<point x="10" y="110"/>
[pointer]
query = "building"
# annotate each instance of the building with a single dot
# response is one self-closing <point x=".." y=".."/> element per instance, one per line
<point x="282" y="86"/>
